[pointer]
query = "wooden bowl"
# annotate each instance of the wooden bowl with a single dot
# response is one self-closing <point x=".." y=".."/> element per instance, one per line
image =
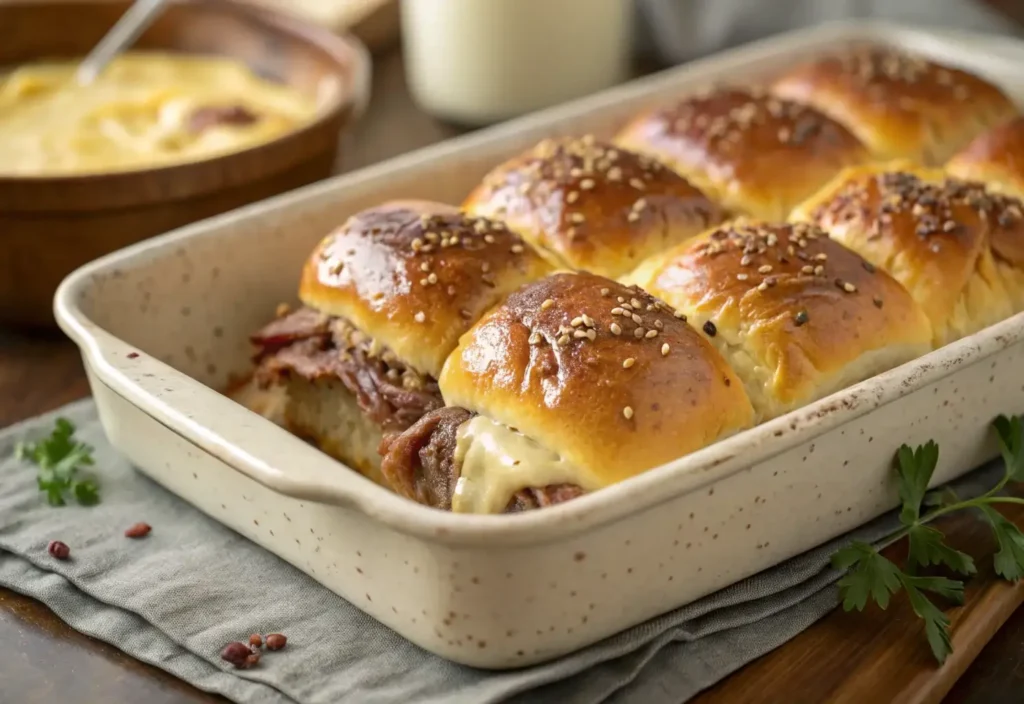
<point x="51" y="225"/>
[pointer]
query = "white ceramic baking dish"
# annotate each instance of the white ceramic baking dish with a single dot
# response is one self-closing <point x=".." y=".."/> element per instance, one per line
<point x="164" y="324"/>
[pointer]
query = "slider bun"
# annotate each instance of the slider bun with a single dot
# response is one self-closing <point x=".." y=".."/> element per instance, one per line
<point x="932" y="235"/>
<point x="797" y="315"/>
<point x="588" y="205"/>
<point x="754" y="153"/>
<point x="396" y="274"/>
<point x="571" y="396"/>
<point x="995" y="158"/>
<point x="900" y="106"/>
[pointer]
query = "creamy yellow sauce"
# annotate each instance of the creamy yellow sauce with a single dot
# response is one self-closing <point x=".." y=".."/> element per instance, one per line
<point x="144" y="110"/>
<point x="497" y="462"/>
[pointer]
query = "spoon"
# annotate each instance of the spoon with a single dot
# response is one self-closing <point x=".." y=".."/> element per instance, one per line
<point x="133" y="23"/>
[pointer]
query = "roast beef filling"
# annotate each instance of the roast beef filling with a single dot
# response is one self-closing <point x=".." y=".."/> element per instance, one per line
<point x="315" y="346"/>
<point x="420" y="464"/>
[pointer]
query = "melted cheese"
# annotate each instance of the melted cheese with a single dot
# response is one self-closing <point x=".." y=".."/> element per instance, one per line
<point x="136" y="114"/>
<point x="498" y="461"/>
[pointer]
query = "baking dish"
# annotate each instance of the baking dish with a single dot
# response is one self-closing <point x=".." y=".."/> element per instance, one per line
<point x="163" y="324"/>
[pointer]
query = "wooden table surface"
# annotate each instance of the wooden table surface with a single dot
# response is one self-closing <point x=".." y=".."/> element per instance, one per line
<point x="45" y="661"/>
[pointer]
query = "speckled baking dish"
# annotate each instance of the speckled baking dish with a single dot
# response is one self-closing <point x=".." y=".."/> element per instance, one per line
<point x="164" y="324"/>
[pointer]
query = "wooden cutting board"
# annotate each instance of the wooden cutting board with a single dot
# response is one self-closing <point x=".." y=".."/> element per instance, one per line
<point x="877" y="657"/>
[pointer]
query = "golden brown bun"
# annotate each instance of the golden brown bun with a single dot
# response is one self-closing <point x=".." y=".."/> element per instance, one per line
<point x="797" y="315"/>
<point x="754" y="153"/>
<point x="900" y="106"/>
<point x="571" y="388"/>
<point x="589" y="205"/>
<point x="996" y="158"/>
<point x="932" y="235"/>
<point x="415" y="275"/>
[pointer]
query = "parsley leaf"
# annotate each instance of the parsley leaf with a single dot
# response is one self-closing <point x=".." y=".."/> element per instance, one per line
<point x="915" y="468"/>
<point x="870" y="575"/>
<point x="1011" y="444"/>
<point x="1009" y="561"/>
<point x="59" y="458"/>
<point x="936" y="623"/>
<point x="927" y="548"/>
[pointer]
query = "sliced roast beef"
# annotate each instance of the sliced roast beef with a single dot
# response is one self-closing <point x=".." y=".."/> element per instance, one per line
<point x="314" y="346"/>
<point x="420" y="464"/>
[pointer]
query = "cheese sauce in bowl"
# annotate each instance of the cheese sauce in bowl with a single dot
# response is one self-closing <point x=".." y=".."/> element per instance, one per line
<point x="146" y="109"/>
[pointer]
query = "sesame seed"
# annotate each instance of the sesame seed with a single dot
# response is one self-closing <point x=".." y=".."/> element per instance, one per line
<point x="681" y="315"/>
<point x="763" y="286"/>
<point x="420" y="317"/>
<point x="820" y="256"/>
<point x="579" y="334"/>
<point x="577" y="218"/>
<point x="819" y="270"/>
<point x="638" y="333"/>
<point x="626" y="306"/>
<point x="620" y="299"/>
<point x="637" y="184"/>
<point x="807" y="269"/>
<point x="665" y="350"/>
<point x="765" y="269"/>
<point x="637" y="319"/>
<point x="423" y="282"/>
<point x="587" y="320"/>
<point x="432" y="279"/>
<point x="425" y="266"/>
<point x="417" y="243"/>
<point x="618" y="311"/>
<point x="627" y="412"/>
<point x="546" y="304"/>
<point x="651" y="334"/>
<point x="635" y="303"/>
<point x="517" y="249"/>
<point x="658" y="324"/>
<point x="605" y="291"/>
<point x="586" y="184"/>
<point x="633" y="216"/>
<point x="591" y="334"/>
<point x="742" y="276"/>
<point x="563" y="340"/>
<point x="572" y="197"/>
<point x="849" y="288"/>
<point x="640" y="204"/>
<point x="616" y="329"/>
<point x="614" y="174"/>
<point x="628" y="362"/>
<point x="746" y="260"/>
<point x="489" y="239"/>
<point x="535" y="338"/>
<point x="485" y="267"/>
<point x="576" y="322"/>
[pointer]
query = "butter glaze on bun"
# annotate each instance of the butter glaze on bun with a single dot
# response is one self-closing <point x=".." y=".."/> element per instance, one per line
<point x="414" y="276"/>
<point x="797" y="315"/>
<point x="589" y="205"/>
<point x="601" y="373"/>
<point x="755" y="153"/>
<point x="995" y="158"/>
<point x="899" y="105"/>
<point x="936" y="236"/>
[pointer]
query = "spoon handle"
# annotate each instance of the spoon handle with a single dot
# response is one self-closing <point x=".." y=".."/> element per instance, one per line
<point x="133" y="23"/>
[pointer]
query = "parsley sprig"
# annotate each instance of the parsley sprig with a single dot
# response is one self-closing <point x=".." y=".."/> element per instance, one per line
<point x="59" y="458"/>
<point x="871" y="576"/>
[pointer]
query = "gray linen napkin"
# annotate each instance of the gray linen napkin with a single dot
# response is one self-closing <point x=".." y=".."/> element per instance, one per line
<point x="175" y="598"/>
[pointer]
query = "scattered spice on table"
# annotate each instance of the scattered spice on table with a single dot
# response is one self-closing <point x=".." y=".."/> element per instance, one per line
<point x="59" y="550"/>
